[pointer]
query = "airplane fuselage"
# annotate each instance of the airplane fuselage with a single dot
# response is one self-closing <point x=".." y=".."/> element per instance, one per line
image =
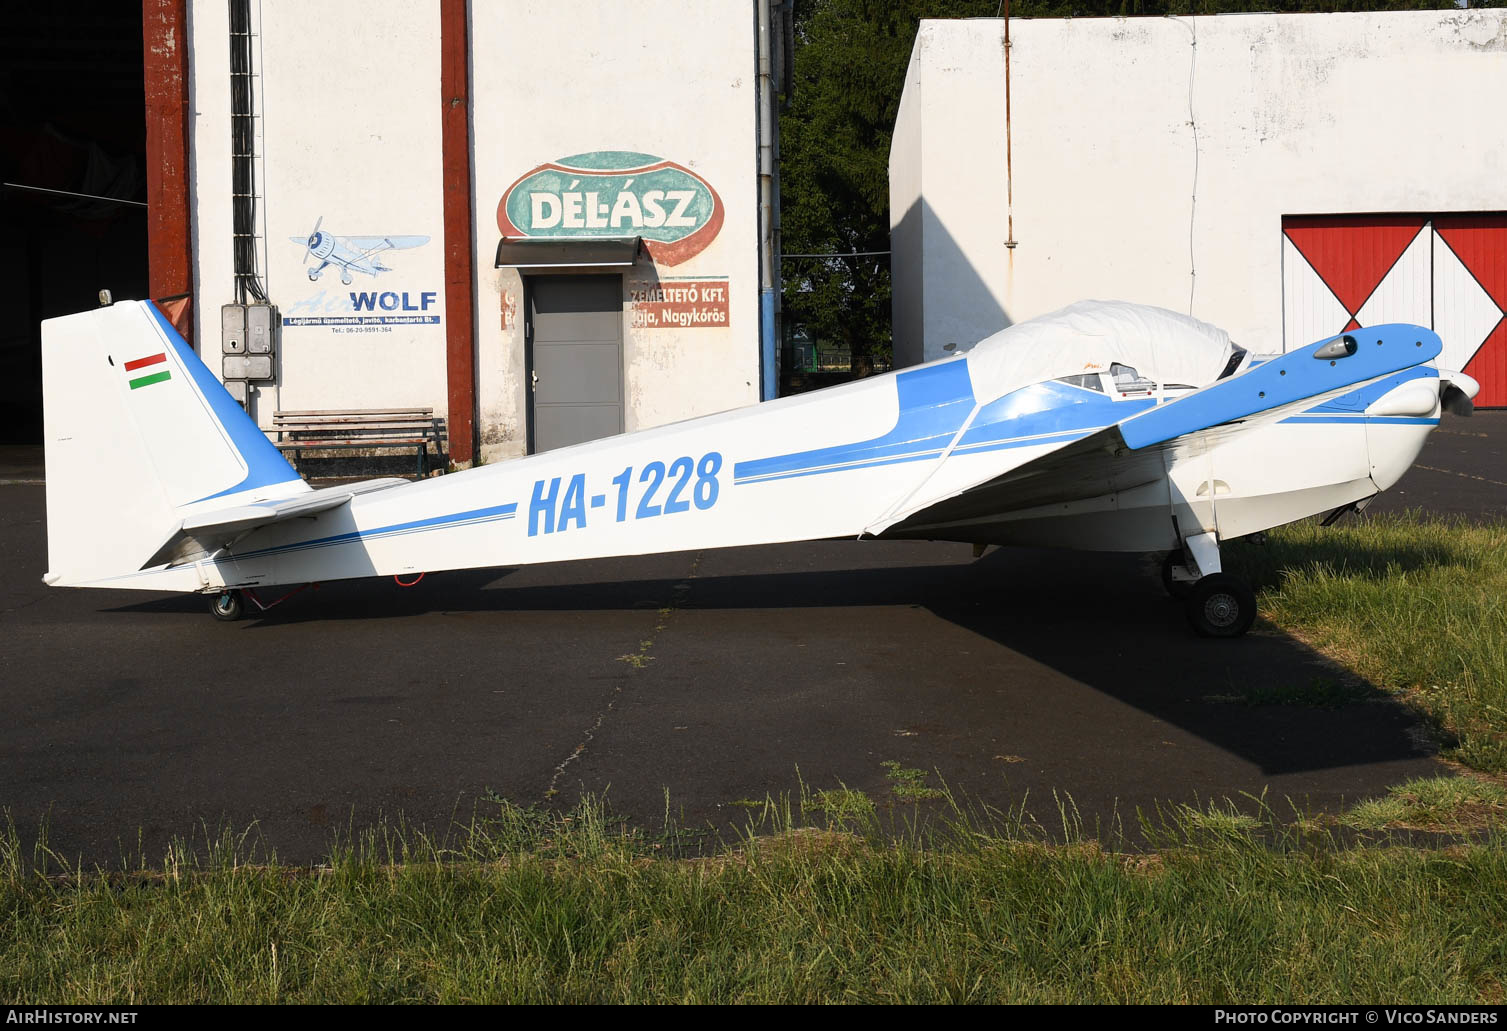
<point x="752" y="477"/>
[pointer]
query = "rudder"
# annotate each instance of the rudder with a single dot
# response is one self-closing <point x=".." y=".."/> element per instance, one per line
<point x="138" y="434"/>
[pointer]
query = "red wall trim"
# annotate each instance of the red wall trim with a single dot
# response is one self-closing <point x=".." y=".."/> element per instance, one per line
<point x="164" y="41"/>
<point x="460" y="360"/>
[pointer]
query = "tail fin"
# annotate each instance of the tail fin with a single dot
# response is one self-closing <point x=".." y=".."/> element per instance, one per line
<point x="138" y="432"/>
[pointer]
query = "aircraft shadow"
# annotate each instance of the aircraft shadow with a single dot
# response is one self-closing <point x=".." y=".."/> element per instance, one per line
<point x="1101" y="620"/>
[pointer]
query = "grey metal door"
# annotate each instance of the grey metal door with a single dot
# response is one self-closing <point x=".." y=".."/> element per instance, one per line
<point x="575" y="359"/>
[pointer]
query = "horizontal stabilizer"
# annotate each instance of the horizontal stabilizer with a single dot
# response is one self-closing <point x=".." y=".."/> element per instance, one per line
<point x="202" y="535"/>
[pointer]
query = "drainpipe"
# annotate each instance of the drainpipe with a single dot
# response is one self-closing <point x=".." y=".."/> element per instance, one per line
<point x="782" y="85"/>
<point x="769" y="382"/>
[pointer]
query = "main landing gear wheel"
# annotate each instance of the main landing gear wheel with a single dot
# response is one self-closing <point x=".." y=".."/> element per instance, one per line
<point x="1179" y="589"/>
<point x="1221" y="605"/>
<point x="227" y="606"/>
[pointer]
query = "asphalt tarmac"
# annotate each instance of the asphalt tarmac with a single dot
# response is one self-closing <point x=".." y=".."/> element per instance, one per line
<point x="128" y="720"/>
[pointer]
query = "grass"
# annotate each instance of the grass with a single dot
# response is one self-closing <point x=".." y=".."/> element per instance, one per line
<point x="1415" y="605"/>
<point x="1320" y="693"/>
<point x="1433" y="803"/>
<point x="525" y="906"/>
<point x="849" y="808"/>
<point x="909" y="785"/>
<point x="1225" y="819"/>
<point x="843" y="805"/>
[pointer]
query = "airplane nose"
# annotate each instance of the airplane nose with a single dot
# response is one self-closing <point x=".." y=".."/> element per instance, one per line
<point x="1397" y="424"/>
<point x="1416" y="399"/>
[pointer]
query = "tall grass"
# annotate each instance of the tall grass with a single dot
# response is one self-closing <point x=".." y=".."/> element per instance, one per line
<point x="524" y="907"/>
<point x="1415" y="604"/>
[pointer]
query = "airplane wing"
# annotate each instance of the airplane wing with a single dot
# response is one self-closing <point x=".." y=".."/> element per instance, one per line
<point x="1134" y="451"/>
<point x="202" y="535"/>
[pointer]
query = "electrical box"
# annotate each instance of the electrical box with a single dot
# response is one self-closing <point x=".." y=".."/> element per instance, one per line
<point x="246" y="366"/>
<point x="248" y="335"/>
<point x="233" y="328"/>
<point x="238" y="390"/>
<point x="248" y="328"/>
<point x="261" y="324"/>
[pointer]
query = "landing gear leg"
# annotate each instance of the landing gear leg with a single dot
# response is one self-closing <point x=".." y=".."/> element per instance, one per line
<point x="228" y="606"/>
<point x="1219" y="604"/>
<point x="1173" y="566"/>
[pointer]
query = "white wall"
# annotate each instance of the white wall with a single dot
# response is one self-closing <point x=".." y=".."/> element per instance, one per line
<point x="676" y="80"/>
<point x="209" y="169"/>
<point x="350" y="133"/>
<point x="906" y="234"/>
<point x="1293" y="114"/>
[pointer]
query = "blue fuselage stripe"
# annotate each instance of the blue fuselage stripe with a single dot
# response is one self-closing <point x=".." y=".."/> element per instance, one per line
<point x="1000" y="445"/>
<point x="476" y="515"/>
<point x="934" y="402"/>
<point x="934" y="405"/>
<point x="1361" y="420"/>
<point x="933" y="408"/>
<point x="1357" y="401"/>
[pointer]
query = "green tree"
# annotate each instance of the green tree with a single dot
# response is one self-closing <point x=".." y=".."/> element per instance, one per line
<point x="850" y="61"/>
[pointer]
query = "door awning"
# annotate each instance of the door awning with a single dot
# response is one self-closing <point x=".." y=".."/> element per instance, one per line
<point x="602" y="252"/>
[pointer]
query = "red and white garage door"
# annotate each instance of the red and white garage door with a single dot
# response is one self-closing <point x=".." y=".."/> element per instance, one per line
<point x="1447" y="272"/>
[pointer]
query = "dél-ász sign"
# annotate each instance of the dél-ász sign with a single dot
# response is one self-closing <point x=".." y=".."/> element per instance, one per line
<point x="615" y="193"/>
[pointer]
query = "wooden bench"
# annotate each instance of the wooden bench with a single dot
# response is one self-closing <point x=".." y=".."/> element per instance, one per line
<point x="359" y="429"/>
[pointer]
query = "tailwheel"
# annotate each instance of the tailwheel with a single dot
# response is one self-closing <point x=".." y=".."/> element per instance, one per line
<point x="1179" y="589"/>
<point x="227" y="606"/>
<point x="1221" y="605"/>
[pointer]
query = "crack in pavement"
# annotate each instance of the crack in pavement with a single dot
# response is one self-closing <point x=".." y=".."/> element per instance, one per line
<point x="635" y="661"/>
<point x="1468" y="476"/>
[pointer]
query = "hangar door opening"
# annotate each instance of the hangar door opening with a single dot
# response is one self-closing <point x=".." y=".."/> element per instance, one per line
<point x="72" y="158"/>
<point x="575" y="359"/>
<point x="1444" y="271"/>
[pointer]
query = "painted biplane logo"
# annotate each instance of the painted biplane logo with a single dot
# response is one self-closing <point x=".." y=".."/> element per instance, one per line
<point x="349" y="253"/>
<point x="615" y="193"/>
<point x="357" y="311"/>
<point x="156" y="375"/>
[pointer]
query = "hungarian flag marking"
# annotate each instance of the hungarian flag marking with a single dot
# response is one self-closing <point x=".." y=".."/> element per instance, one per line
<point x="151" y="377"/>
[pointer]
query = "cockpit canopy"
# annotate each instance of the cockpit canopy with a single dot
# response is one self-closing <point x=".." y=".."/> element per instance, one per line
<point x="1129" y="348"/>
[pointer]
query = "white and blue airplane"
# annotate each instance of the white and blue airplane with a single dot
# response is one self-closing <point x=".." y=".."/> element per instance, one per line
<point x="351" y="253"/>
<point x="1105" y="426"/>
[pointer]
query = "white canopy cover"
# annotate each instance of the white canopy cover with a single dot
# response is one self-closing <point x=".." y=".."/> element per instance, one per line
<point x="1089" y="336"/>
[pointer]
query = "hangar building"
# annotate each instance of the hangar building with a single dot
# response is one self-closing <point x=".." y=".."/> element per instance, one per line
<point x="546" y="221"/>
<point x="1282" y="176"/>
